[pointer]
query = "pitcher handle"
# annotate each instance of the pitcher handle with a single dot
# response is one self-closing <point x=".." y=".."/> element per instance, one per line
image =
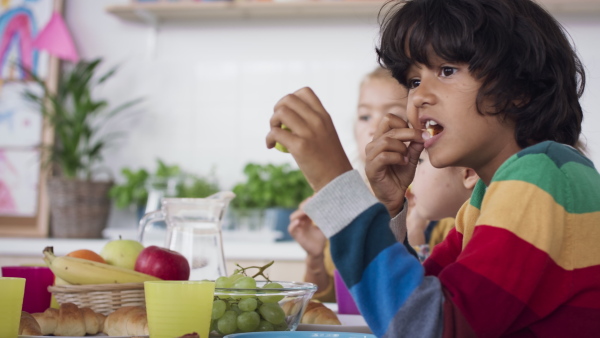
<point x="149" y="218"/>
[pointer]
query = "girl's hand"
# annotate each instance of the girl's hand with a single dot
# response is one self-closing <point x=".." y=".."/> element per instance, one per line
<point x="391" y="163"/>
<point x="309" y="236"/>
<point x="312" y="139"/>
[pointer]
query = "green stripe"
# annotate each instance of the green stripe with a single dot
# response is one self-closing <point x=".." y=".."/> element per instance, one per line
<point x="579" y="179"/>
<point x="477" y="195"/>
<point x="559" y="153"/>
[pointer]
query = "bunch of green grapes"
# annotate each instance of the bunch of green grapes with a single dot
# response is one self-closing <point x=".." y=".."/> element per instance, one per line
<point x="247" y="313"/>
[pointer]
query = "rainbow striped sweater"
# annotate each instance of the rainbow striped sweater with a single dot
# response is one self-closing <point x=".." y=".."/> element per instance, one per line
<point x="523" y="260"/>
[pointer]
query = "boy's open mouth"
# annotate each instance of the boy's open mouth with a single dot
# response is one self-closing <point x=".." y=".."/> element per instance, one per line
<point x="433" y="127"/>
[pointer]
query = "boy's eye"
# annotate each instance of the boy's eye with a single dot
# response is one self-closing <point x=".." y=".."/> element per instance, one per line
<point x="420" y="161"/>
<point x="364" y="117"/>
<point x="413" y="83"/>
<point x="447" y="71"/>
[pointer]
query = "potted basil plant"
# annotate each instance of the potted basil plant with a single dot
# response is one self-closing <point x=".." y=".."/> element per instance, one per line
<point x="268" y="196"/>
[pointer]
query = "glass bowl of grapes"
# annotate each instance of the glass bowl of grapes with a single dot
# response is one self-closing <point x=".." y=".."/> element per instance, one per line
<point x="245" y="302"/>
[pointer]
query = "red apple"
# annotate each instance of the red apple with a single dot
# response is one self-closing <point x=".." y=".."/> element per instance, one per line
<point x="163" y="263"/>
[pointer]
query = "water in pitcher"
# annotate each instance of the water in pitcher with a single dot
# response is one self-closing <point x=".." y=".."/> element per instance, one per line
<point x="200" y="242"/>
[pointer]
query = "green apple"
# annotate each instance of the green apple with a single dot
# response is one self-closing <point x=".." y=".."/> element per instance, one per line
<point x="122" y="252"/>
<point x="280" y="146"/>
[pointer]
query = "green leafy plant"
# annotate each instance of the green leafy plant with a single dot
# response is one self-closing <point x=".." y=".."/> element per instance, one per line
<point x="77" y="118"/>
<point x="269" y="186"/>
<point x="197" y="187"/>
<point x="134" y="190"/>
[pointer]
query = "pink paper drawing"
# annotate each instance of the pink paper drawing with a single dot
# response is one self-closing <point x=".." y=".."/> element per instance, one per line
<point x="19" y="25"/>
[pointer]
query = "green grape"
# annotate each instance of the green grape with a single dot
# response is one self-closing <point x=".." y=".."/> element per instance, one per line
<point x="248" y="321"/>
<point x="248" y="304"/>
<point x="223" y="282"/>
<point x="265" y="326"/>
<point x="233" y="278"/>
<point x="228" y="323"/>
<point x="245" y="283"/>
<point x="272" y="299"/>
<point x="272" y="312"/>
<point x="235" y="307"/>
<point x="218" y="309"/>
<point x="283" y="326"/>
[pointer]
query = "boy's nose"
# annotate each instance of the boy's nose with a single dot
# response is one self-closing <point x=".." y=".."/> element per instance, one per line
<point x="422" y="95"/>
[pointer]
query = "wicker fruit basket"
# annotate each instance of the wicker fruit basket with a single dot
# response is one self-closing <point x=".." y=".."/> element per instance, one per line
<point x="102" y="298"/>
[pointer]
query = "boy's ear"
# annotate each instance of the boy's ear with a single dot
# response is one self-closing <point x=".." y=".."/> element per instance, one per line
<point x="470" y="178"/>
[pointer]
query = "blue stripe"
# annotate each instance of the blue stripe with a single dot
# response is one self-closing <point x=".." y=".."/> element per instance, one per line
<point x="386" y="285"/>
<point x="353" y="248"/>
<point x="380" y="273"/>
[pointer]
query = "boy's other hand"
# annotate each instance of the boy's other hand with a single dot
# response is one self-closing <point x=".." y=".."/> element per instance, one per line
<point x="313" y="140"/>
<point x="392" y="159"/>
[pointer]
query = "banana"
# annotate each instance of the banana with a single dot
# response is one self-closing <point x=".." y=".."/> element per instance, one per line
<point x="79" y="271"/>
<point x="60" y="281"/>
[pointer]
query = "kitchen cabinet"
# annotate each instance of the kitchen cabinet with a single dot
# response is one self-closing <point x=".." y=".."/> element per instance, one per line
<point x="160" y="11"/>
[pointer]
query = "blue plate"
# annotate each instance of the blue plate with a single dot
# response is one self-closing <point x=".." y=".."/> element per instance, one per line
<point x="300" y="334"/>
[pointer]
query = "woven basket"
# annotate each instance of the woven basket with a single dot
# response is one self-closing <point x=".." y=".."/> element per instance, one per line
<point x="102" y="298"/>
<point x="79" y="209"/>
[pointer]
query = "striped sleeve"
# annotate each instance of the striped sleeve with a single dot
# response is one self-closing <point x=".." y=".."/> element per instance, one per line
<point x="386" y="281"/>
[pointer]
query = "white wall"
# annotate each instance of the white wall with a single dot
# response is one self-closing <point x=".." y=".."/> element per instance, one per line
<point x="210" y="86"/>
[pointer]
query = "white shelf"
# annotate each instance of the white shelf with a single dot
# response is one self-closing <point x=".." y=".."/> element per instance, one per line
<point x="161" y="11"/>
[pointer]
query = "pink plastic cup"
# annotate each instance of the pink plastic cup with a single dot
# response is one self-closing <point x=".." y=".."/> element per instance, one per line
<point x="37" y="279"/>
<point x="346" y="304"/>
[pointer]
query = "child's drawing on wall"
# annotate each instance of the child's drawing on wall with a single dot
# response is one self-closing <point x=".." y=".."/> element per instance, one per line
<point x="20" y="22"/>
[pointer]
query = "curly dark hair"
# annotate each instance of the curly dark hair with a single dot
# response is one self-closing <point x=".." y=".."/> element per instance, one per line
<point x="522" y="55"/>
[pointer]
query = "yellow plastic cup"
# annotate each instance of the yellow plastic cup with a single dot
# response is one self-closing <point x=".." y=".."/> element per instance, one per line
<point x="175" y="308"/>
<point x="12" y="291"/>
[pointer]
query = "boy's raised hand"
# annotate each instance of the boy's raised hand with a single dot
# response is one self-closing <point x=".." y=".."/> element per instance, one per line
<point x="392" y="159"/>
<point x="312" y="139"/>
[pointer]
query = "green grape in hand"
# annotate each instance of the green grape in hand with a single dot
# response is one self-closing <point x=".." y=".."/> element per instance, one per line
<point x="280" y="146"/>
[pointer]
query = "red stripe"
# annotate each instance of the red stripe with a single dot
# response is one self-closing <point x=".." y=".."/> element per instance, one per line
<point x="504" y="285"/>
<point x="444" y="253"/>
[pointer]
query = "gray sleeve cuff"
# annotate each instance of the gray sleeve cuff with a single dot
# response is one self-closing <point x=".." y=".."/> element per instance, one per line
<point x="339" y="203"/>
<point x="398" y="224"/>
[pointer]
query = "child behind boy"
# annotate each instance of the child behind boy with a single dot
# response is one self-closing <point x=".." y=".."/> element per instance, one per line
<point x="436" y="195"/>
<point x="499" y="83"/>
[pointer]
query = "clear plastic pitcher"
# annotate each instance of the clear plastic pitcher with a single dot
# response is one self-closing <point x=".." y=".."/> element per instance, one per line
<point x="194" y="230"/>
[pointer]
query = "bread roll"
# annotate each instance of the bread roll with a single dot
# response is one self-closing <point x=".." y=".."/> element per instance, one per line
<point x="317" y="313"/>
<point x="28" y="326"/>
<point x="127" y="321"/>
<point x="69" y="320"/>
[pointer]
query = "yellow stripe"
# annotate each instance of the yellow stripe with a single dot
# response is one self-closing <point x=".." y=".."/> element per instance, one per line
<point x="571" y="241"/>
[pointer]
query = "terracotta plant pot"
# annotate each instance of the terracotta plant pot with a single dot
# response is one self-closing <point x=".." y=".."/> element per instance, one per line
<point x="78" y="208"/>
